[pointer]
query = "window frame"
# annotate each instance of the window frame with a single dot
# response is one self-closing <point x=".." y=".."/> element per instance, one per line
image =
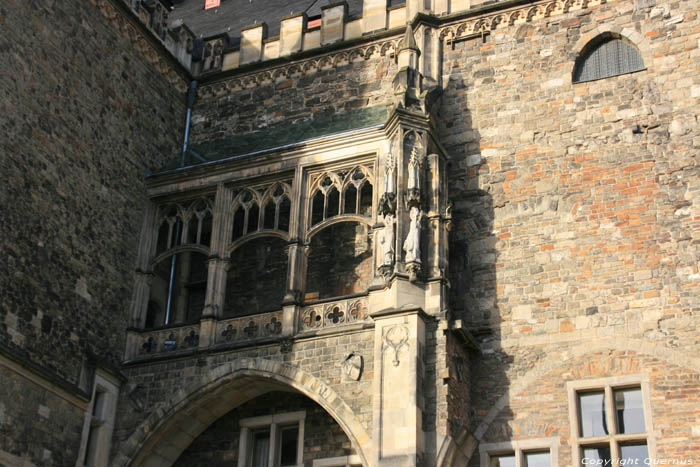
<point x="519" y="448"/>
<point x="275" y="423"/>
<point x="592" y="46"/>
<point x="99" y="427"/>
<point x="613" y="439"/>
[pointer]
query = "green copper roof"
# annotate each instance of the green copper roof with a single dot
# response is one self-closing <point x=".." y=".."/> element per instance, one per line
<point x="284" y="134"/>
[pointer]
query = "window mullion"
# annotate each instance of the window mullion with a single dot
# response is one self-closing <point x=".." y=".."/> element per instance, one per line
<point x="518" y="458"/>
<point x="273" y="446"/>
<point x="612" y="422"/>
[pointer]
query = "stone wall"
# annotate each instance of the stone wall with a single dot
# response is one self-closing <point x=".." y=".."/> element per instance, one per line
<point x="84" y="115"/>
<point x="154" y="383"/>
<point x="219" y="444"/>
<point x="315" y="94"/>
<point x="43" y="428"/>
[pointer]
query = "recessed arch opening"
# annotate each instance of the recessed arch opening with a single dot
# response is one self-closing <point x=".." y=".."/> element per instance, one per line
<point x="340" y="260"/>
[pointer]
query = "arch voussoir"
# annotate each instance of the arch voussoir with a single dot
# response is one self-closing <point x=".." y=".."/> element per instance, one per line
<point x="175" y="423"/>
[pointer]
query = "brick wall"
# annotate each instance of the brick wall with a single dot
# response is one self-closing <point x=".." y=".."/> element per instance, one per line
<point x="575" y="204"/>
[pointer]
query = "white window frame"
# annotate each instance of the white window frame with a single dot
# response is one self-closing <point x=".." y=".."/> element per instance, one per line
<point x="608" y="385"/>
<point x="101" y="426"/>
<point x="341" y="461"/>
<point x="274" y="422"/>
<point x="519" y="448"/>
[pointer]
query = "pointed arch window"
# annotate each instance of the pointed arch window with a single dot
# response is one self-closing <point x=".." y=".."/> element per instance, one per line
<point x="607" y="56"/>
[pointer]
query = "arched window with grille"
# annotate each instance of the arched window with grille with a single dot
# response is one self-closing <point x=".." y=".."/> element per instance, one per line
<point x="605" y="56"/>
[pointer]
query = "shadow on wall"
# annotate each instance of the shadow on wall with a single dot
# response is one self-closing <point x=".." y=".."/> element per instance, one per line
<point x="473" y="261"/>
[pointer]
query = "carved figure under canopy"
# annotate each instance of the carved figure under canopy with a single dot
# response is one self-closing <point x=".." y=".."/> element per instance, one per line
<point x="412" y="244"/>
<point x="414" y="163"/>
<point x="387" y="241"/>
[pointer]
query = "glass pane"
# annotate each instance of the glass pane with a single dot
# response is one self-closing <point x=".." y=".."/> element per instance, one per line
<point x="350" y="200"/>
<point x="629" y="410"/>
<point x="592" y="414"/>
<point x="269" y="221"/>
<point x="205" y="234"/>
<point x="599" y="455"/>
<point x="366" y="199"/>
<point x="317" y="208"/>
<point x="288" y="445"/>
<point x="163" y="232"/>
<point x="332" y="203"/>
<point x="537" y="459"/>
<point x="285" y="210"/>
<point x="261" y="449"/>
<point x="253" y="215"/>
<point x="634" y="454"/>
<point x="503" y="461"/>
<point x="238" y="220"/>
<point x="192" y="227"/>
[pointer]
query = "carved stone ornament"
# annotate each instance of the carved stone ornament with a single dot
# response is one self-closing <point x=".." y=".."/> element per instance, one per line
<point x="286" y="345"/>
<point x="352" y="367"/>
<point x="137" y="397"/>
<point x="396" y="338"/>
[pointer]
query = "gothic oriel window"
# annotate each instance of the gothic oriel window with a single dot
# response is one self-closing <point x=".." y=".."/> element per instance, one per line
<point x="179" y="280"/>
<point x="257" y="278"/>
<point x="341" y="192"/>
<point x="267" y="208"/>
<point x="607" y="56"/>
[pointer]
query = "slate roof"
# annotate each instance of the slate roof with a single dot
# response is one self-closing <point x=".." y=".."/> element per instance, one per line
<point x="232" y="15"/>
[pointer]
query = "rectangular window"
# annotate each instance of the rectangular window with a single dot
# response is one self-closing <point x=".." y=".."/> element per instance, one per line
<point x="99" y="422"/>
<point x="610" y="420"/>
<point x="540" y="452"/>
<point x="272" y="440"/>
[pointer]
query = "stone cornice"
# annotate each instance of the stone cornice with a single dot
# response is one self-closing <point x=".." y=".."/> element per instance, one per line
<point x="302" y="67"/>
<point x="512" y="16"/>
<point x="143" y="41"/>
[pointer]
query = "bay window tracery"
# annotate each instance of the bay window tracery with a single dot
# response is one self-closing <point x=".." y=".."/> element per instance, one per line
<point x="262" y="208"/>
<point x="341" y="192"/>
<point x="184" y="223"/>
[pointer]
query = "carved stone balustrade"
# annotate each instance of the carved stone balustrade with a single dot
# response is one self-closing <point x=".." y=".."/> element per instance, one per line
<point x="249" y="328"/>
<point x="333" y="314"/>
<point x="170" y="340"/>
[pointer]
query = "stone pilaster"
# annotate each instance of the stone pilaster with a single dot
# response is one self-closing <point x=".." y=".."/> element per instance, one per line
<point x="399" y="342"/>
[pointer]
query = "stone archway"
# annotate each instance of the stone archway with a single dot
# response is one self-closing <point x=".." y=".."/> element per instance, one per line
<point x="173" y="425"/>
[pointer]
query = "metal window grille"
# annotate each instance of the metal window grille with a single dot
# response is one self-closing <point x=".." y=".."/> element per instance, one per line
<point x="611" y="58"/>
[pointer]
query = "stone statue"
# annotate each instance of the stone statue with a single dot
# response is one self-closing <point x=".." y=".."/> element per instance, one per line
<point x="414" y="164"/>
<point x="389" y="182"/>
<point x="412" y="244"/>
<point x="387" y="241"/>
